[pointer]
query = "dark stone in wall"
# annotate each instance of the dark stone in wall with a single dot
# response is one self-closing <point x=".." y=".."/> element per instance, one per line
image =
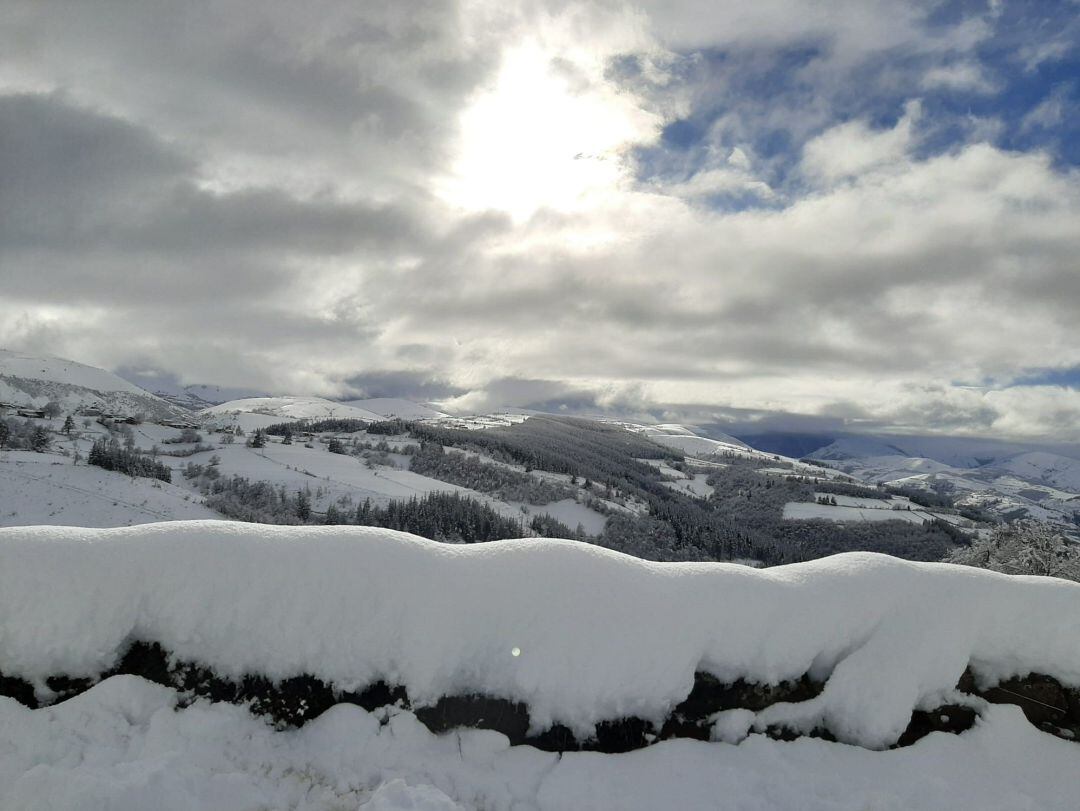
<point x="1045" y="702"/>
<point x="948" y="718"/>
<point x="557" y="738"/>
<point x="21" y="691"/>
<point x="379" y="694"/>
<point x="480" y="712"/>
<point x="294" y="701"/>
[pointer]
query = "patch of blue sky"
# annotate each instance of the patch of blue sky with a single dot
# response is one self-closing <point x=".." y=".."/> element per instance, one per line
<point x="1068" y="377"/>
<point x="771" y="101"/>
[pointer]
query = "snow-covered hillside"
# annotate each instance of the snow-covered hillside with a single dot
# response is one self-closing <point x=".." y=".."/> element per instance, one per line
<point x="32" y="380"/>
<point x="577" y="633"/>
<point x="256" y="412"/>
<point x="48" y="489"/>
<point x="1009" y="480"/>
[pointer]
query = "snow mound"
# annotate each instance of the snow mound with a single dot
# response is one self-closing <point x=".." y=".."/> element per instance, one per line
<point x="579" y="633"/>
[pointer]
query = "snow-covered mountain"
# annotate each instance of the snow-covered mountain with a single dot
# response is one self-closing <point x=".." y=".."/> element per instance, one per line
<point x="32" y="380"/>
<point x="256" y="412"/>
<point x="1012" y="480"/>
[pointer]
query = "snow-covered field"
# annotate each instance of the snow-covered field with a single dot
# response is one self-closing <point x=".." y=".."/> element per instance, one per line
<point x="569" y="512"/>
<point x="854" y="508"/>
<point x="48" y="489"/>
<point x="577" y="632"/>
<point x="697" y="485"/>
<point x="804" y="510"/>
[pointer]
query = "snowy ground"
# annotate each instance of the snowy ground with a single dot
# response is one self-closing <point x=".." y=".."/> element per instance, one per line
<point x="48" y="489"/>
<point x="805" y="510"/>
<point x="697" y="485"/>
<point x="848" y="508"/>
<point x="569" y="512"/>
<point x="124" y="747"/>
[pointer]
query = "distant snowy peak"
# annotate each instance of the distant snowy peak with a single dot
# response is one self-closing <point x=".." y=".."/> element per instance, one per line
<point x="281" y="409"/>
<point x="392" y="407"/>
<point x="32" y="380"/>
<point x="1042" y="466"/>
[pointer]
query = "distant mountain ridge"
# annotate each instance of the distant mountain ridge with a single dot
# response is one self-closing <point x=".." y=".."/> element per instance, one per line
<point x="1009" y="479"/>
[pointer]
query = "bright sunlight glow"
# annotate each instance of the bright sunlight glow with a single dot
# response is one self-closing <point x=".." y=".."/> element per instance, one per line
<point x="547" y="133"/>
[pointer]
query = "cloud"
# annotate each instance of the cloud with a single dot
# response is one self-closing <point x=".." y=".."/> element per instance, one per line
<point x="569" y="206"/>
<point x="852" y="149"/>
<point x="963" y="76"/>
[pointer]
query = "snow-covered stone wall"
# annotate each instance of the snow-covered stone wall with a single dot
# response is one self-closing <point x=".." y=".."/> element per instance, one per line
<point x="578" y="634"/>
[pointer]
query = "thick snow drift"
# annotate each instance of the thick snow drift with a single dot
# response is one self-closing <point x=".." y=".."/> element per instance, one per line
<point x="579" y="633"/>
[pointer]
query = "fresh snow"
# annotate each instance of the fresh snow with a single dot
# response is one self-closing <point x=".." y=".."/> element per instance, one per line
<point x="805" y="510"/>
<point x="125" y="746"/>
<point x="601" y="635"/>
<point x="568" y="511"/>
<point x="46" y="489"/>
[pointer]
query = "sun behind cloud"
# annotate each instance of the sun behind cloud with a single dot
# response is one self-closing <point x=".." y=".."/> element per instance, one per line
<point x="549" y="132"/>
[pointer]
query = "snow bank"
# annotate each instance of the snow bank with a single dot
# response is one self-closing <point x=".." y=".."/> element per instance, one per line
<point x="123" y="746"/>
<point x="578" y="633"/>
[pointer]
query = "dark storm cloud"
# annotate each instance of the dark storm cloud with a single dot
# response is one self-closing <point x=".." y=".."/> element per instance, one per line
<point x="403" y="384"/>
<point x="74" y="179"/>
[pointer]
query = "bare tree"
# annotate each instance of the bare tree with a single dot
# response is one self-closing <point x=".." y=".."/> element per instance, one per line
<point x="1024" y="547"/>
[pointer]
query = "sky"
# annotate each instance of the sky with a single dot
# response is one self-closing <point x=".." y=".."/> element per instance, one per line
<point x="859" y="214"/>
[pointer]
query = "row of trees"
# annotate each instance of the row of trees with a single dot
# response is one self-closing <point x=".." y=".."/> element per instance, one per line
<point x="108" y="454"/>
<point x="457" y="467"/>
<point x="439" y="516"/>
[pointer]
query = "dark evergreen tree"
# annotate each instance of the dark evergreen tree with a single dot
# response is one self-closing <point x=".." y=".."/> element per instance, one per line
<point x="40" y="439"/>
<point x="303" y="505"/>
